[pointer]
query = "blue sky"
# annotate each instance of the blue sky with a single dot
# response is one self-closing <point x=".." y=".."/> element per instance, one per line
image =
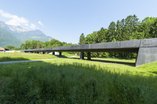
<point x="67" y="19"/>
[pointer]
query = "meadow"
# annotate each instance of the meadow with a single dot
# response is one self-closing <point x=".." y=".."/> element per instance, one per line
<point x="72" y="81"/>
<point x="14" y="56"/>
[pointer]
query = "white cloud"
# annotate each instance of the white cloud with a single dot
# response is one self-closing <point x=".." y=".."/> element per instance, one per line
<point x="17" y="21"/>
<point x="40" y="23"/>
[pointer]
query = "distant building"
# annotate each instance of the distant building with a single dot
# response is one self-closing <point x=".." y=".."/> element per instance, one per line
<point x="3" y="49"/>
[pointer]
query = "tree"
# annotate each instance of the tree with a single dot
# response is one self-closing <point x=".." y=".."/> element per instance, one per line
<point x="32" y="44"/>
<point x="102" y="35"/>
<point x="131" y="27"/>
<point x="111" y="32"/>
<point x="53" y="43"/>
<point x="10" y="47"/>
<point x="153" y="30"/>
<point x="82" y="39"/>
<point x="120" y="30"/>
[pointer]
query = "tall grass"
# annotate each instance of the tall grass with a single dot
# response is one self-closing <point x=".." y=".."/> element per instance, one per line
<point x="65" y="81"/>
<point x="4" y="56"/>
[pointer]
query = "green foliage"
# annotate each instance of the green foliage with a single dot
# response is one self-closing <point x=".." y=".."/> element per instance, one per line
<point x="145" y="27"/>
<point x="153" y="29"/>
<point x="125" y="29"/>
<point x="82" y="39"/>
<point x="32" y="44"/>
<point x="10" y="47"/>
<point x="35" y="44"/>
<point x="53" y="43"/>
<point x="111" y="35"/>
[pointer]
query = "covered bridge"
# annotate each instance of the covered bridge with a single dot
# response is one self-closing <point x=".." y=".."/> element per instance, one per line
<point x="146" y="49"/>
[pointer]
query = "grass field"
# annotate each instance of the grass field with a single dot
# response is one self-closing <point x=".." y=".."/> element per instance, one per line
<point x="71" y="81"/>
<point x="4" y="56"/>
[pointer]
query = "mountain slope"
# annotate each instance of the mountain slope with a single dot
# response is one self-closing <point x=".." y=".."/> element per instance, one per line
<point x="10" y="37"/>
<point x="6" y="36"/>
<point x="32" y="35"/>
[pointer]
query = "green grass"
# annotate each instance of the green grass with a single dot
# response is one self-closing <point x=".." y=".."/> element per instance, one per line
<point x="23" y="56"/>
<point x="116" y="60"/>
<point x="71" y="81"/>
<point x="151" y="67"/>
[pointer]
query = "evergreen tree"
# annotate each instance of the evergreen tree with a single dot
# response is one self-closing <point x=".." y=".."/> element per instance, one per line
<point x="131" y="27"/>
<point x="153" y="30"/>
<point x="111" y="32"/>
<point x="82" y="39"/>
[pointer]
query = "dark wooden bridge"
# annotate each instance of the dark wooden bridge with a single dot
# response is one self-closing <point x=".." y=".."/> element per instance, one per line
<point x="146" y="49"/>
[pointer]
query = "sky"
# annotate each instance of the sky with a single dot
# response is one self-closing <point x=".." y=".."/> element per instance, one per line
<point x="65" y="20"/>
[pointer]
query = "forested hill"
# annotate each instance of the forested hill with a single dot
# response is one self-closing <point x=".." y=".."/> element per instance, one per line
<point x="126" y="29"/>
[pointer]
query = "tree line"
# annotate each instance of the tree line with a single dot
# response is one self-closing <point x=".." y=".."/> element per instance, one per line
<point x="36" y="44"/>
<point x="126" y="29"/>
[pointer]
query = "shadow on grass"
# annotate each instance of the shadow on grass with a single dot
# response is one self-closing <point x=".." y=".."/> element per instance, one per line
<point x="117" y="62"/>
<point x="76" y="83"/>
<point x="54" y="83"/>
<point x="108" y="61"/>
<point x="3" y="59"/>
<point x="62" y="56"/>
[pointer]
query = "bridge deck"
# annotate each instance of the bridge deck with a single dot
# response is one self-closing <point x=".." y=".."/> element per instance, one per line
<point x="149" y="46"/>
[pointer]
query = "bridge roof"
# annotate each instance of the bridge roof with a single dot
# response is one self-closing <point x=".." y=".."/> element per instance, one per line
<point x="131" y="45"/>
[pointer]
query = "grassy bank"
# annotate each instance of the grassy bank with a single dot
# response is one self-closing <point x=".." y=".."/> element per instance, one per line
<point x="5" y="56"/>
<point x="69" y="81"/>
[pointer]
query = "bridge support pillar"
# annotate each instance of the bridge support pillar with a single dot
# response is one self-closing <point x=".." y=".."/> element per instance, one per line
<point x="81" y="55"/>
<point x="60" y="54"/>
<point x="43" y="52"/>
<point x="88" y="55"/>
<point x="146" y="55"/>
<point x="53" y="53"/>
